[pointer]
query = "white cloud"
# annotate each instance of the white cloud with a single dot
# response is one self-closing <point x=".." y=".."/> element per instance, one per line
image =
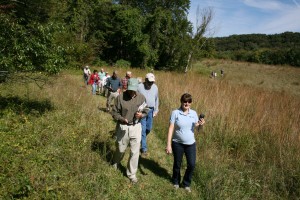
<point x="252" y="16"/>
<point x="285" y="21"/>
<point x="265" y="5"/>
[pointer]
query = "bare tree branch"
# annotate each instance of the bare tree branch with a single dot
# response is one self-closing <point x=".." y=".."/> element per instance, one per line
<point x="202" y="27"/>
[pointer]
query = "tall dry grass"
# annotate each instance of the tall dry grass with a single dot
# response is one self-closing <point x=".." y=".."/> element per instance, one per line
<point x="249" y="147"/>
<point x="56" y="142"/>
<point x="250" y="143"/>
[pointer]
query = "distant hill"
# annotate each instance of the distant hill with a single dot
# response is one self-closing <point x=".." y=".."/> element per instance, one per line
<point x="283" y="49"/>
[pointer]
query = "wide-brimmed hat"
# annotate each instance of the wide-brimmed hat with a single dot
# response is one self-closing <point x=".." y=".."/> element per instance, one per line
<point x="132" y="84"/>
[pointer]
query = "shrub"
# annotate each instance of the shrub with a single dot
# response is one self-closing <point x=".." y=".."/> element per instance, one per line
<point x="99" y="62"/>
<point x="123" y="63"/>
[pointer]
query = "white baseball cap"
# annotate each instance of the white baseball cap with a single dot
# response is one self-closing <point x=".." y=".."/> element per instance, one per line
<point x="150" y="77"/>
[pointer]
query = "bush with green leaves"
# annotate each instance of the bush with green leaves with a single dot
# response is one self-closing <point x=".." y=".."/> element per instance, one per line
<point x="100" y="63"/>
<point x="29" y="48"/>
<point x="123" y="63"/>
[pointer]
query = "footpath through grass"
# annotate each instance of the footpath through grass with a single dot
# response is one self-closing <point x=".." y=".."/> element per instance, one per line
<point x="56" y="143"/>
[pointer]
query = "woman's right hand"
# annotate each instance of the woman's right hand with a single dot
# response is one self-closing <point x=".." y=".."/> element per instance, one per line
<point x="169" y="149"/>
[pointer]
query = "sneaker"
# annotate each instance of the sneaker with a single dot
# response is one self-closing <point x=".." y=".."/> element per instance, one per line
<point x="134" y="180"/>
<point x="188" y="189"/>
<point x="176" y="186"/>
<point x="115" y="166"/>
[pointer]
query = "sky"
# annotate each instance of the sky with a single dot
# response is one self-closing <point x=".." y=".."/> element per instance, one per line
<point x="249" y="16"/>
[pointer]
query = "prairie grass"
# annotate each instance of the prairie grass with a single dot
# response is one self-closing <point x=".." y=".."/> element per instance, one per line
<point x="57" y="143"/>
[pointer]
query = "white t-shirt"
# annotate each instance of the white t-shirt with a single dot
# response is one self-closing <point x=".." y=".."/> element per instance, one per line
<point x="87" y="71"/>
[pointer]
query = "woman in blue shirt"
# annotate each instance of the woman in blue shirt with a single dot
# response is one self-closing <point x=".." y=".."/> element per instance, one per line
<point x="181" y="140"/>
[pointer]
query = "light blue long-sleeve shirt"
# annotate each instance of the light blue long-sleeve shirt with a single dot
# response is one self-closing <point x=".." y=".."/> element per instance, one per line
<point x="151" y="96"/>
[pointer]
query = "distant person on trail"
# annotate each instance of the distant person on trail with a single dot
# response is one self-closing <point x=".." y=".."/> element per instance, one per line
<point x="222" y="72"/>
<point x="86" y="75"/>
<point x="94" y="79"/>
<point x="104" y="81"/>
<point x="128" y="110"/>
<point x="113" y="84"/>
<point x="101" y="75"/>
<point x="181" y="140"/>
<point x="150" y="90"/>
<point x="125" y="80"/>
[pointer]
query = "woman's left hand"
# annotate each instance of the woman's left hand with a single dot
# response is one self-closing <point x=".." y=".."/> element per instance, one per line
<point x="201" y="121"/>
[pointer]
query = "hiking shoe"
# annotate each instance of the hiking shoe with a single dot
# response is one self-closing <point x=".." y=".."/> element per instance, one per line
<point x="176" y="186"/>
<point x="188" y="189"/>
<point x="144" y="154"/>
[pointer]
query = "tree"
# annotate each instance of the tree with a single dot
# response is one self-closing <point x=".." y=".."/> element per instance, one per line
<point x="197" y="38"/>
<point x="26" y="44"/>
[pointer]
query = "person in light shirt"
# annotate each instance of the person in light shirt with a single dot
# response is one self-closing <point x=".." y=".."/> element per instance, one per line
<point x="150" y="90"/>
<point x="86" y="75"/>
<point x="181" y="140"/>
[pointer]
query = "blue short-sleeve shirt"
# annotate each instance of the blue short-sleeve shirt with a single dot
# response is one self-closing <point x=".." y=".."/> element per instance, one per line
<point x="184" y="126"/>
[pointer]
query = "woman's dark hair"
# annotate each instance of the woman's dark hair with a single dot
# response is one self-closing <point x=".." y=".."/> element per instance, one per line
<point x="95" y="71"/>
<point x="186" y="98"/>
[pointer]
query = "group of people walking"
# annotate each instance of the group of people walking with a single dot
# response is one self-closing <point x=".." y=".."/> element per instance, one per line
<point x="134" y="104"/>
<point x="214" y="74"/>
<point x="97" y="80"/>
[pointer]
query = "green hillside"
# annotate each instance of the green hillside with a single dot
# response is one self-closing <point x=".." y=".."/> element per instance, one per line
<point x="277" y="49"/>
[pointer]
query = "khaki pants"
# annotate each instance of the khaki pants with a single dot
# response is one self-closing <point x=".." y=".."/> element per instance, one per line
<point x="111" y="98"/>
<point x="128" y="135"/>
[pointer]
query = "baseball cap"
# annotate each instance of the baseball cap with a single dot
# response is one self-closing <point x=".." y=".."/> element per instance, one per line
<point x="150" y="77"/>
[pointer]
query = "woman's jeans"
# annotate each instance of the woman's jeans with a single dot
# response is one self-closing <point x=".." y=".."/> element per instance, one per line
<point x="190" y="154"/>
<point x="94" y="88"/>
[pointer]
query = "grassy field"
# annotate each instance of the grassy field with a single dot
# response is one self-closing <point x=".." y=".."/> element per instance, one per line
<point x="268" y="77"/>
<point x="56" y="142"/>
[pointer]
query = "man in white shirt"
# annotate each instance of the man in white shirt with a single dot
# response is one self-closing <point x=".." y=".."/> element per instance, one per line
<point x="86" y="74"/>
<point x="150" y="90"/>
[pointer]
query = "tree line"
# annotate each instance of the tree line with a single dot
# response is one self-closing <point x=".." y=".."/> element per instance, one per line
<point x="277" y="49"/>
<point x="49" y="35"/>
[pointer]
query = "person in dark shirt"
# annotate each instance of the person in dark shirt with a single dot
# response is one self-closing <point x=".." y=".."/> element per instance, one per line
<point x="113" y="85"/>
<point x="130" y="106"/>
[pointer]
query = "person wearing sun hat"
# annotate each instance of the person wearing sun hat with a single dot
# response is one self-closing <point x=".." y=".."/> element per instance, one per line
<point x="128" y="110"/>
<point x="150" y="90"/>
